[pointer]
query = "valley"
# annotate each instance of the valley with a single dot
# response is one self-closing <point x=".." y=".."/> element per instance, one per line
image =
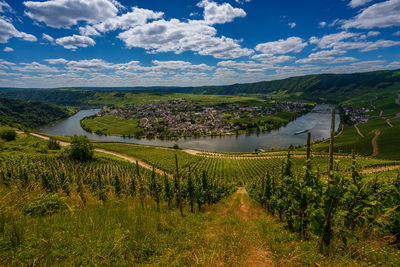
<point x="205" y="200"/>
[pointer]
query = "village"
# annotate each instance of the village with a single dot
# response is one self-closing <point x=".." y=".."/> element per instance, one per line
<point x="179" y="117"/>
<point x="355" y="115"/>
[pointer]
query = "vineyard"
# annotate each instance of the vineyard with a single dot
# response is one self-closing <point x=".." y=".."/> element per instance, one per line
<point x="55" y="209"/>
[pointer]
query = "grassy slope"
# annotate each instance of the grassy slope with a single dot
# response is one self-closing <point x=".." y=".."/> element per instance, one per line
<point x="234" y="232"/>
<point x="112" y="125"/>
<point x="381" y="103"/>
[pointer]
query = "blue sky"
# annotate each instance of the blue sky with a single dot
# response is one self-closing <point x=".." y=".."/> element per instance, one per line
<point x="64" y="43"/>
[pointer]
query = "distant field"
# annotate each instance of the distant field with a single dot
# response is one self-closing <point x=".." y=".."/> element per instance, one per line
<point x="112" y="125"/>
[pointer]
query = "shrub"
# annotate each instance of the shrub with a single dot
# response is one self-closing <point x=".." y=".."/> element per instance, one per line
<point x="81" y="148"/>
<point x="8" y="135"/>
<point x="176" y="146"/>
<point x="44" y="205"/>
<point x="53" y="144"/>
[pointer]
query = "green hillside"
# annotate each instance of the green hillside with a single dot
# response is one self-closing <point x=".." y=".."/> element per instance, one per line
<point x="316" y="87"/>
<point x="334" y="87"/>
<point x="31" y="114"/>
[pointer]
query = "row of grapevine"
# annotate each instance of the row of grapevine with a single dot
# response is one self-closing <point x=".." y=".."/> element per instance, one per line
<point x="341" y="208"/>
<point x="106" y="178"/>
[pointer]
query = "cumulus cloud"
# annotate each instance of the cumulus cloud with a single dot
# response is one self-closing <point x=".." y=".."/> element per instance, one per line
<point x="340" y="41"/>
<point x="357" y="3"/>
<point x="380" y="15"/>
<point x="322" y="24"/>
<point x="75" y="41"/>
<point x="8" y="49"/>
<point x="327" y="57"/>
<point x="138" y="16"/>
<point x="4" y="6"/>
<point x="219" y="14"/>
<point x="396" y="33"/>
<point x="34" y="67"/>
<point x="7" y="31"/>
<point x="176" y="36"/>
<point x="292" y="24"/>
<point x="56" y="61"/>
<point x="47" y="37"/>
<point x="330" y="40"/>
<point x="282" y="46"/>
<point x="65" y="13"/>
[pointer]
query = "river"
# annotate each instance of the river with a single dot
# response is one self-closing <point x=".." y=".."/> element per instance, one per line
<point x="317" y="122"/>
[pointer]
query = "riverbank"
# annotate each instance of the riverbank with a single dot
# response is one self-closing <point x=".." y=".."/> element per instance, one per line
<point x="317" y="122"/>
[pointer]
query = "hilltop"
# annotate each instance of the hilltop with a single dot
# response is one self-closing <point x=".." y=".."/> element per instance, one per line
<point x="316" y="87"/>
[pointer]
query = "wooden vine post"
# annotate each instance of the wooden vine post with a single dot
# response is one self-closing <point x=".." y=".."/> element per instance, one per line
<point x="308" y="162"/>
<point x="179" y="185"/>
<point x="330" y="168"/>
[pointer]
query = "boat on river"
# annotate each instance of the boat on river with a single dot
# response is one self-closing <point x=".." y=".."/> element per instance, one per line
<point x="300" y="132"/>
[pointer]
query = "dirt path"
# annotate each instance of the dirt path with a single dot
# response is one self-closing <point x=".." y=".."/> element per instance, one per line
<point x="130" y="159"/>
<point x="358" y="130"/>
<point x="389" y="123"/>
<point x="235" y="233"/>
<point x="398" y="99"/>
<point x="380" y="169"/>
<point x="375" y="147"/>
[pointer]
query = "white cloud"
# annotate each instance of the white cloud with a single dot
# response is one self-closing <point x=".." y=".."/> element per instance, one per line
<point x="272" y="59"/>
<point x="396" y="33"/>
<point x="248" y="66"/>
<point x="373" y="33"/>
<point x="242" y="1"/>
<point x="34" y="67"/>
<point x="176" y="36"/>
<point x="219" y="14"/>
<point x="56" y="61"/>
<point x="292" y="24"/>
<point x="380" y="15"/>
<point x="88" y="30"/>
<point x="357" y="3"/>
<point x="4" y="6"/>
<point x="331" y="40"/>
<point x="47" y="37"/>
<point x="138" y="16"/>
<point x="290" y="45"/>
<point x="5" y="64"/>
<point x="327" y="57"/>
<point x="75" y="41"/>
<point x="8" y="49"/>
<point x="7" y="31"/>
<point x="65" y="13"/>
<point x="178" y="66"/>
<point x="322" y="24"/>
<point x="93" y="65"/>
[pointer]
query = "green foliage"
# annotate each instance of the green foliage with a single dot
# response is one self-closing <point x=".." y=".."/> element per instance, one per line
<point x="81" y="148"/>
<point x="53" y="144"/>
<point x="44" y="205"/>
<point x="31" y="114"/>
<point x="8" y="134"/>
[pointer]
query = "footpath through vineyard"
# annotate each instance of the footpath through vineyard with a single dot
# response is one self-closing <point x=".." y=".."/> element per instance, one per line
<point x="234" y="233"/>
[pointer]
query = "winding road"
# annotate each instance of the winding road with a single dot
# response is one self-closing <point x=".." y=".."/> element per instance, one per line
<point x="358" y="130"/>
<point x="375" y="147"/>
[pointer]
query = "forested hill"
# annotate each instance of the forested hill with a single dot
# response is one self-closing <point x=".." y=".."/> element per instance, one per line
<point x="31" y="114"/>
<point x="64" y="97"/>
<point x="331" y="87"/>
<point x="327" y="86"/>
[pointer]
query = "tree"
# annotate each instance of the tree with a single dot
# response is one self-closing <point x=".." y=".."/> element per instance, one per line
<point x="53" y="144"/>
<point x="81" y="148"/>
<point x="8" y="135"/>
